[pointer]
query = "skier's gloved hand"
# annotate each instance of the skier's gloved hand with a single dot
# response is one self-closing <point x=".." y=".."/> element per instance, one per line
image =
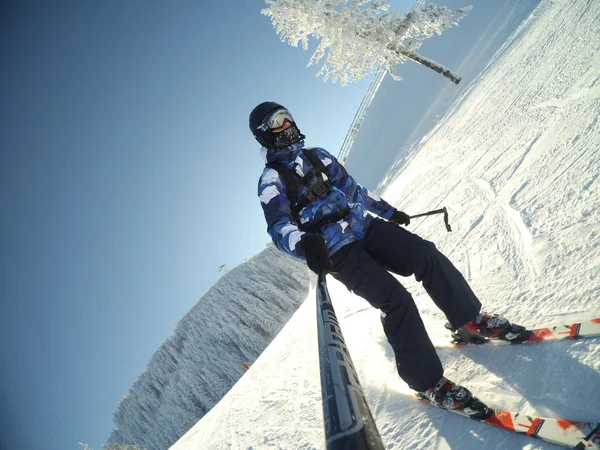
<point x="399" y="218"/>
<point x="314" y="249"/>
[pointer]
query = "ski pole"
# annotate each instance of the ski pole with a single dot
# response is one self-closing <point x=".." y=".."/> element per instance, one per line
<point x="443" y="211"/>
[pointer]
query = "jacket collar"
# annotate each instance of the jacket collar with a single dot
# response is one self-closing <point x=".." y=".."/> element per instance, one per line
<point x="285" y="155"/>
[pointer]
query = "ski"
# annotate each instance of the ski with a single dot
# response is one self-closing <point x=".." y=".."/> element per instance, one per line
<point x="579" y="435"/>
<point x="575" y="330"/>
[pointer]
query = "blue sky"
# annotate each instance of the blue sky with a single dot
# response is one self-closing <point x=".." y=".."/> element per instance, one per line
<point x="128" y="175"/>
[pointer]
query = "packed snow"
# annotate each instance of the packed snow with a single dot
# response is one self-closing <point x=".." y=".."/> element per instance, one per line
<point x="516" y="162"/>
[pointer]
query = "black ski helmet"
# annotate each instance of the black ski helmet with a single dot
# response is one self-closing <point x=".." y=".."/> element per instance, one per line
<point x="260" y="112"/>
<point x="267" y="138"/>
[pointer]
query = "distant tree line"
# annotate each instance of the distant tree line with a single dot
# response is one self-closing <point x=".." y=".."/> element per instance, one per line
<point x="193" y="369"/>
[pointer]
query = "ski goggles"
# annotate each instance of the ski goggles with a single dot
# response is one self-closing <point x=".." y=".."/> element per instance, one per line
<point x="276" y="119"/>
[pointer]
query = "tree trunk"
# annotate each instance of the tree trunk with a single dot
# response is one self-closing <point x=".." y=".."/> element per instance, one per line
<point x="414" y="56"/>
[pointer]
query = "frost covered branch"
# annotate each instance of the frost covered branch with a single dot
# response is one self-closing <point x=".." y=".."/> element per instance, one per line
<point x="357" y="36"/>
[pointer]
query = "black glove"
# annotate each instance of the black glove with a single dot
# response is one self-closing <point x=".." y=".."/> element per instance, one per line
<point x="314" y="249"/>
<point x="399" y="218"/>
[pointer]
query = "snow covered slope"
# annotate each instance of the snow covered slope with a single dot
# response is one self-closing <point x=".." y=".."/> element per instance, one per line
<point x="516" y="163"/>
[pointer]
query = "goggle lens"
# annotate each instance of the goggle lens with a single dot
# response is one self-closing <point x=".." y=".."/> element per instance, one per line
<point x="276" y="120"/>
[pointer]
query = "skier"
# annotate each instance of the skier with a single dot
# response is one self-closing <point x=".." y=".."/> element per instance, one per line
<point x="317" y="212"/>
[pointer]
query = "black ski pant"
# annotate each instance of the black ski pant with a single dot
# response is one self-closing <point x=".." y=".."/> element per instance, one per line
<point x="363" y="268"/>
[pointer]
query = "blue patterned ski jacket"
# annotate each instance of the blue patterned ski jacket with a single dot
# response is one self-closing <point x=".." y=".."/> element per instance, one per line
<point x="345" y="193"/>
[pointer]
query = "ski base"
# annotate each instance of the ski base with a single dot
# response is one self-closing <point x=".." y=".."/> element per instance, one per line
<point x="579" y="435"/>
<point x="576" y="330"/>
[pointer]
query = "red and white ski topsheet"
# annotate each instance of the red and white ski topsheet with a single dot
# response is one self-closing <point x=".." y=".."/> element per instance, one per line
<point x="576" y="330"/>
<point x="580" y="435"/>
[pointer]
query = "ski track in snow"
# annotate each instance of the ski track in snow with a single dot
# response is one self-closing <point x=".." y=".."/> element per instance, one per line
<point x="516" y="163"/>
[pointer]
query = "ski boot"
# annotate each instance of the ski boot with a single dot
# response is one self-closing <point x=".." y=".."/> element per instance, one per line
<point x="485" y="327"/>
<point x="451" y="396"/>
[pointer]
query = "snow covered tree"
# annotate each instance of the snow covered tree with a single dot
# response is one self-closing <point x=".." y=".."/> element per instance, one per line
<point x="112" y="446"/>
<point x="115" y="446"/>
<point x="358" y="36"/>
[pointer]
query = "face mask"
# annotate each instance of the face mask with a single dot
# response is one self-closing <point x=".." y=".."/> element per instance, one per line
<point x="283" y="139"/>
<point x="287" y="137"/>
